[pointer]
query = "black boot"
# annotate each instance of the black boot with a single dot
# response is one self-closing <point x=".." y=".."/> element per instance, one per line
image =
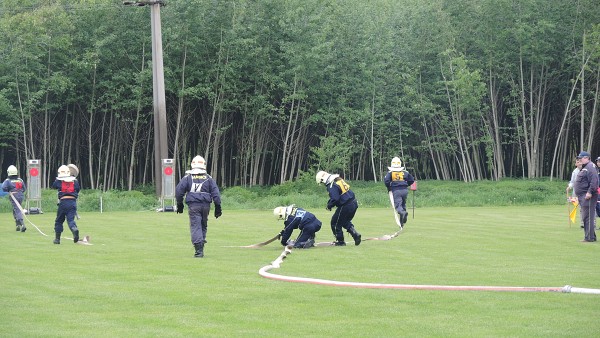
<point x="199" y="250"/>
<point x="57" y="239"/>
<point x="23" y="227"/>
<point x="404" y="217"/>
<point x="355" y="235"/>
<point x="76" y="235"/>
<point x="18" y="225"/>
<point x="339" y="241"/>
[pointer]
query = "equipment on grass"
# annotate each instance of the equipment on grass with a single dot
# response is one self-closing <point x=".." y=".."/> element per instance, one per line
<point x="277" y="262"/>
<point x="258" y="245"/>
<point x="413" y="188"/>
<point x="394" y="209"/>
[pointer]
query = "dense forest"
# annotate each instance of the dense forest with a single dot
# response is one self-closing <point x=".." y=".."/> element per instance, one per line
<point x="267" y="90"/>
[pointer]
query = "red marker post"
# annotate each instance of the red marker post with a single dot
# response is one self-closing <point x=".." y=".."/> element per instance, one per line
<point x="413" y="187"/>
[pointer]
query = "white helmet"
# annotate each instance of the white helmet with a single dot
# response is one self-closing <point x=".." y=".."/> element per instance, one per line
<point x="198" y="163"/>
<point x="322" y="176"/>
<point x="283" y="212"/>
<point x="64" y="173"/>
<point x="396" y="165"/>
<point x="73" y="169"/>
<point x="12" y="171"/>
<point x="279" y="213"/>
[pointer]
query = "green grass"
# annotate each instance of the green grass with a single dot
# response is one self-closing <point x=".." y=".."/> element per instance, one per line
<point x="140" y="279"/>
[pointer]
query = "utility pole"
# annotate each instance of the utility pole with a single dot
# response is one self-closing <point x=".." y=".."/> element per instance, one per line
<point x="161" y="149"/>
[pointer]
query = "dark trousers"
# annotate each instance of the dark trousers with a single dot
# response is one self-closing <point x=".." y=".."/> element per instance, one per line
<point x="67" y="208"/>
<point x="400" y="196"/>
<point x="17" y="214"/>
<point x="588" y="217"/>
<point x="342" y="219"/>
<point x="198" y="213"/>
<point x="307" y="232"/>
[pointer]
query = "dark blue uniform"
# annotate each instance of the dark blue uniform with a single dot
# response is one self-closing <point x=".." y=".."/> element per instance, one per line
<point x="398" y="182"/>
<point x="68" y="192"/>
<point x="587" y="182"/>
<point x="200" y="190"/>
<point x="343" y="198"/>
<point x="16" y="187"/>
<point x="306" y="222"/>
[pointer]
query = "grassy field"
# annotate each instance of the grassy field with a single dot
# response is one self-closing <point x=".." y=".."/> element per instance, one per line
<point x="140" y="279"/>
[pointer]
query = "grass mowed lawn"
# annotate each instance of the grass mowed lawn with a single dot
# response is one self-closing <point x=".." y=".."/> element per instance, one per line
<point x="140" y="279"/>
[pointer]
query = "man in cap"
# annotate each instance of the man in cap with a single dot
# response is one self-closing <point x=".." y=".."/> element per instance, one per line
<point x="598" y="203"/>
<point x="586" y="190"/>
<point x="200" y="190"/>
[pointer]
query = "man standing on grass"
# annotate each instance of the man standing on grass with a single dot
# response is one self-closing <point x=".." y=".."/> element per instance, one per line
<point x="342" y="198"/>
<point x="598" y="203"/>
<point x="586" y="189"/>
<point x="200" y="190"/>
<point x="68" y="191"/>
<point x="397" y="181"/>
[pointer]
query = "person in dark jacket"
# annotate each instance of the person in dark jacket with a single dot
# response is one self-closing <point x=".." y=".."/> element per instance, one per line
<point x="341" y="197"/>
<point x="586" y="189"/>
<point x="68" y="191"/>
<point x="297" y="218"/>
<point x="15" y="186"/>
<point x="200" y="190"/>
<point x="397" y="180"/>
<point x="598" y="203"/>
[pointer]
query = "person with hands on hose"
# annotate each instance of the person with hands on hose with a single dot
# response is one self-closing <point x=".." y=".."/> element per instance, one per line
<point x="200" y="190"/>
<point x="297" y="218"/>
<point x="397" y="181"/>
<point x="15" y="186"/>
<point x="341" y="197"/>
<point x="68" y="191"/>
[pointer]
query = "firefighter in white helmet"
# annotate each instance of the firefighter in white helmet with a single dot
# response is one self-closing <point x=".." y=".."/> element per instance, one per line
<point x="341" y="197"/>
<point x="200" y="190"/>
<point x="68" y="191"/>
<point x="398" y="180"/>
<point x="297" y="218"/>
<point x="15" y="186"/>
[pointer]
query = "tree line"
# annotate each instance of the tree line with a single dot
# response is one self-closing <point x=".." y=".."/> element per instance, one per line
<point x="269" y="90"/>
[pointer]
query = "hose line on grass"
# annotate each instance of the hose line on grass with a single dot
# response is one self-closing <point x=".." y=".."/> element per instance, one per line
<point x="264" y="272"/>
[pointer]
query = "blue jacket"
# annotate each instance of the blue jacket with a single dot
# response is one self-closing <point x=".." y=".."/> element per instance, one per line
<point x="197" y="188"/>
<point x="66" y="188"/>
<point x="396" y="180"/>
<point x="297" y="219"/>
<point x="14" y="185"/>
<point x="339" y="193"/>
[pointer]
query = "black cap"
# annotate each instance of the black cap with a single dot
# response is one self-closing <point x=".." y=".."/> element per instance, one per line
<point x="583" y="154"/>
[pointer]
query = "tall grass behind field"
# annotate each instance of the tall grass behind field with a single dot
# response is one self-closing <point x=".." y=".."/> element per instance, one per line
<point x="305" y="192"/>
<point x="140" y="279"/>
<point x="429" y="193"/>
